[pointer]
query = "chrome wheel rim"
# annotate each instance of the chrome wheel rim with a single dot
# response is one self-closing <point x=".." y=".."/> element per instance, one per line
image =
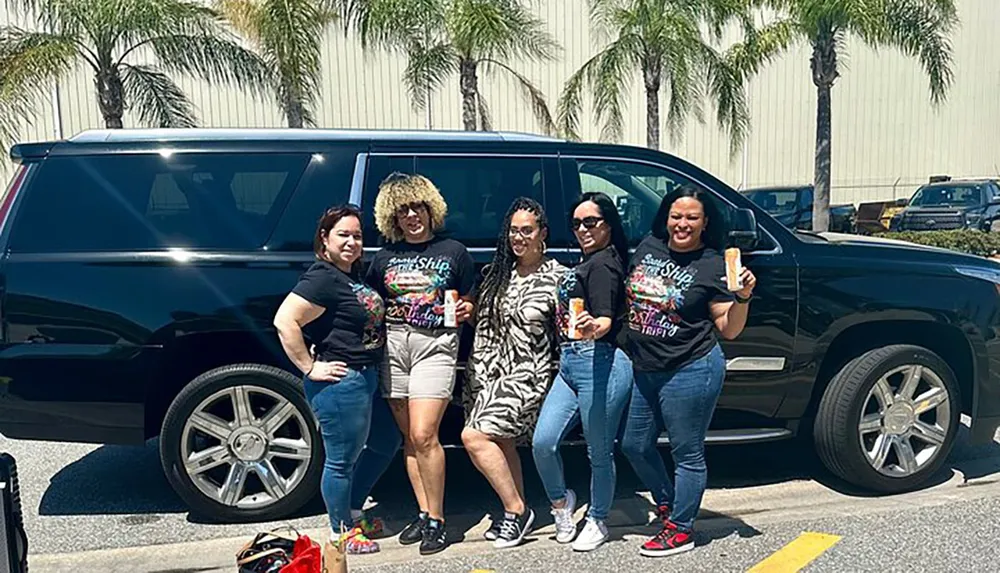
<point x="246" y="447"/>
<point x="905" y="420"/>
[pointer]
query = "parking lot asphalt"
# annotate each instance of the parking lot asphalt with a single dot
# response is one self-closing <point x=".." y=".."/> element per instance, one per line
<point x="81" y="498"/>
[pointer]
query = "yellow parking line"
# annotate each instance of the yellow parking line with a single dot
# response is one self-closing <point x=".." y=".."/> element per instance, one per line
<point x="797" y="554"/>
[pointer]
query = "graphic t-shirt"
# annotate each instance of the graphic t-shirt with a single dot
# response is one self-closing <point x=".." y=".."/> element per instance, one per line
<point x="413" y="278"/>
<point x="351" y="329"/>
<point x="667" y="296"/>
<point x="598" y="280"/>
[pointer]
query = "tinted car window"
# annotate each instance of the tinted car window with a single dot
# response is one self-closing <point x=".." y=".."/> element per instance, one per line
<point x="478" y="190"/>
<point x="776" y="201"/>
<point x="326" y="182"/>
<point x="637" y="190"/>
<point x="154" y="201"/>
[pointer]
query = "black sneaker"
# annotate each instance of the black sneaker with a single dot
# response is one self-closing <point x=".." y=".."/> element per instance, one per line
<point x="435" y="537"/>
<point x="514" y="528"/>
<point x="494" y="531"/>
<point x="414" y="531"/>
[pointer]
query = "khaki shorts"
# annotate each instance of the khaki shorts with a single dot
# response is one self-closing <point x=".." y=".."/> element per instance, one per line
<point x="419" y="362"/>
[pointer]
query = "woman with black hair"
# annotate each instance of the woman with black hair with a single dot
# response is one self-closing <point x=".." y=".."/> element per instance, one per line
<point x="513" y="361"/>
<point x="594" y="380"/>
<point x="678" y="305"/>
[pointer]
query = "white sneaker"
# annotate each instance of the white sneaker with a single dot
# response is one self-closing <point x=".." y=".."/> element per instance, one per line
<point x="565" y="526"/>
<point x="594" y="534"/>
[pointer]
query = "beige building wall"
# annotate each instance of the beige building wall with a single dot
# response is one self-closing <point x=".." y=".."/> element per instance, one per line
<point x="887" y="137"/>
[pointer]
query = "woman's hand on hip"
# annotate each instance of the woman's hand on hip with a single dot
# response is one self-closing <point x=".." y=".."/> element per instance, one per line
<point x="327" y="371"/>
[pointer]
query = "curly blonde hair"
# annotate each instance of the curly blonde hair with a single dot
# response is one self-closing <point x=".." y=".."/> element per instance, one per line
<point x="400" y="189"/>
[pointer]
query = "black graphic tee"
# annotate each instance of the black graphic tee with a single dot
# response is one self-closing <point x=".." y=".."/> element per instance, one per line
<point x="351" y="329"/>
<point x="667" y="296"/>
<point x="598" y="280"/>
<point x="413" y="278"/>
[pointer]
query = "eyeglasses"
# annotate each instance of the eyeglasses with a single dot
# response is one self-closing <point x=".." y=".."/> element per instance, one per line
<point x="416" y="207"/>
<point x="588" y="222"/>
<point x="525" y="232"/>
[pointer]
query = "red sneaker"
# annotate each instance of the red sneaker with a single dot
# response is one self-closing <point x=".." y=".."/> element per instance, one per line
<point x="668" y="541"/>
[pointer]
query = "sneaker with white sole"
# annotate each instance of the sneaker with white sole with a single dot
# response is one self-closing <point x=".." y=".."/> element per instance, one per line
<point x="513" y="529"/>
<point x="565" y="526"/>
<point x="594" y="534"/>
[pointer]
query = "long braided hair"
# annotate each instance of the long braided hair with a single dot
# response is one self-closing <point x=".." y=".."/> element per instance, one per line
<point x="497" y="274"/>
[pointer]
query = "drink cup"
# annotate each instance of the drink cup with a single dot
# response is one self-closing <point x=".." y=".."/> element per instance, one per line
<point x="576" y="308"/>
<point x="450" y="308"/>
<point x="734" y="268"/>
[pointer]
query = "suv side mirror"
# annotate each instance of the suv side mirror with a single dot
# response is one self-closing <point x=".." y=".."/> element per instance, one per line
<point x="743" y="229"/>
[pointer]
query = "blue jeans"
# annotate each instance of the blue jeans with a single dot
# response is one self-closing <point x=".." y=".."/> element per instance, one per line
<point x="592" y="386"/>
<point x="360" y="439"/>
<point x="682" y="401"/>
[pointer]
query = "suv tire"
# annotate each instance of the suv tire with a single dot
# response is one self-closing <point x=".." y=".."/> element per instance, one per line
<point x="273" y="433"/>
<point x="909" y="437"/>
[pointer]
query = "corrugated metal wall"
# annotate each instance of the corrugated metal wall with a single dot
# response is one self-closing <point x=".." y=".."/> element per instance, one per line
<point x="887" y="138"/>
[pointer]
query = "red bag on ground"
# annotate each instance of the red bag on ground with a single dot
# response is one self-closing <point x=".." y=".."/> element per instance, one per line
<point x="306" y="557"/>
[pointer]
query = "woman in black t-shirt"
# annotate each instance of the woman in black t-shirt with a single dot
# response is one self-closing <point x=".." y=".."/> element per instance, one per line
<point x="342" y="318"/>
<point x="678" y="305"/>
<point x="594" y="379"/>
<point x="413" y="273"/>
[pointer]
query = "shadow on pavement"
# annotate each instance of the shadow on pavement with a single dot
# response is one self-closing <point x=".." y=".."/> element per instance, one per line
<point x="130" y="480"/>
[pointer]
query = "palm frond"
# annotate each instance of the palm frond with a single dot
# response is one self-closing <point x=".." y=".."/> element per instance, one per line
<point x="393" y="24"/>
<point x="155" y="98"/>
<point x="727" y="88"/>
<point x="245" y="16"/>
<point x="533" y="96"/>
<point x="426" y="70"/>
<point x="605" y="75"/>
<point x="923" y="28"/>
<point x="29" y="61"/>
<point x="499" y="30"/>
<point x="214" y="59"/>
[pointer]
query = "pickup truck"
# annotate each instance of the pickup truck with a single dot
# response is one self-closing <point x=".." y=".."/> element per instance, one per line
<point x="793" y="207"/>
<point x="949" y="204"/>
<point x="140" y="271"/>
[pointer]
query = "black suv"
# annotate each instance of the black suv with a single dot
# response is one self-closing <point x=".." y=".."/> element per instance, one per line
<point x="141" y="270"/>
<point x="945" y="204"/>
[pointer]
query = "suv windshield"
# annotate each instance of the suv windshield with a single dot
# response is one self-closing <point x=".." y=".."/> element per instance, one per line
<point x="951" y="195"/>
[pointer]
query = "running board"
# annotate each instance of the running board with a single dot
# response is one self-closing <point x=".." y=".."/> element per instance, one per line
<point x="715" y="437"/>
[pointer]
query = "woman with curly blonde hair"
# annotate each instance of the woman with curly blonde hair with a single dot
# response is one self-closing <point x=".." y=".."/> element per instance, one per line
<point x="412" y="274"/>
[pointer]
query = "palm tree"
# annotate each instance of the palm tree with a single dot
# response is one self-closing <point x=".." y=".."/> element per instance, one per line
<point x="288" y="34"/>
<point x="917" y="28"/>
<point x="119" y="38"/>
<point x="663" y="40"/>
<point x="440" y="37"/>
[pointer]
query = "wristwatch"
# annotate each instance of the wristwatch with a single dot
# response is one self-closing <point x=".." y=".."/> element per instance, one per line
<point x="742" y="300"/>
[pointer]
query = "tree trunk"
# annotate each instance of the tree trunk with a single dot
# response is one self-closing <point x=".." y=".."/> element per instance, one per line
<point x="110" y="97"/>
<point x="469" y="84"/>
<point x="824" y="72"/>
<point x="294" y="110"/>
<point x="651" y="75"/>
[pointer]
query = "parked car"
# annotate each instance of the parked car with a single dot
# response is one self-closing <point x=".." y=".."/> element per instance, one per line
<point x="793" y="207"/>
<point x="947" y="204"/>
<point x="141" y="270"/>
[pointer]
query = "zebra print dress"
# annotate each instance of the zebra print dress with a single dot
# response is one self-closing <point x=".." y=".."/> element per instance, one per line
<point x="508" y="373"/>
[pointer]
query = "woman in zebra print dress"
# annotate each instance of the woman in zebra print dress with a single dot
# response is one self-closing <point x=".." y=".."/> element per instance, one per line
<point x="514" y="358"/>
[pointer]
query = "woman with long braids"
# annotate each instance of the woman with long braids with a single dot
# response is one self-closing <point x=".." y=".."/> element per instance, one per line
<point x="513" y="361"/>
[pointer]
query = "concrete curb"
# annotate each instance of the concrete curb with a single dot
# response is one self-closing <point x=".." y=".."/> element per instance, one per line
<point x="722" y="509"/>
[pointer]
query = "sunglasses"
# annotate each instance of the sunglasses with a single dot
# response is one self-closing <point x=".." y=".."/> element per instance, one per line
<point x="416" y="207"/>
<point x="587" y="222"/>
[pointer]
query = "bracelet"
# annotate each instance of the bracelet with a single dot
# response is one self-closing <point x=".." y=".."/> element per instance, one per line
<point x="742" y="300"/>
<point x="311" y="368"/>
